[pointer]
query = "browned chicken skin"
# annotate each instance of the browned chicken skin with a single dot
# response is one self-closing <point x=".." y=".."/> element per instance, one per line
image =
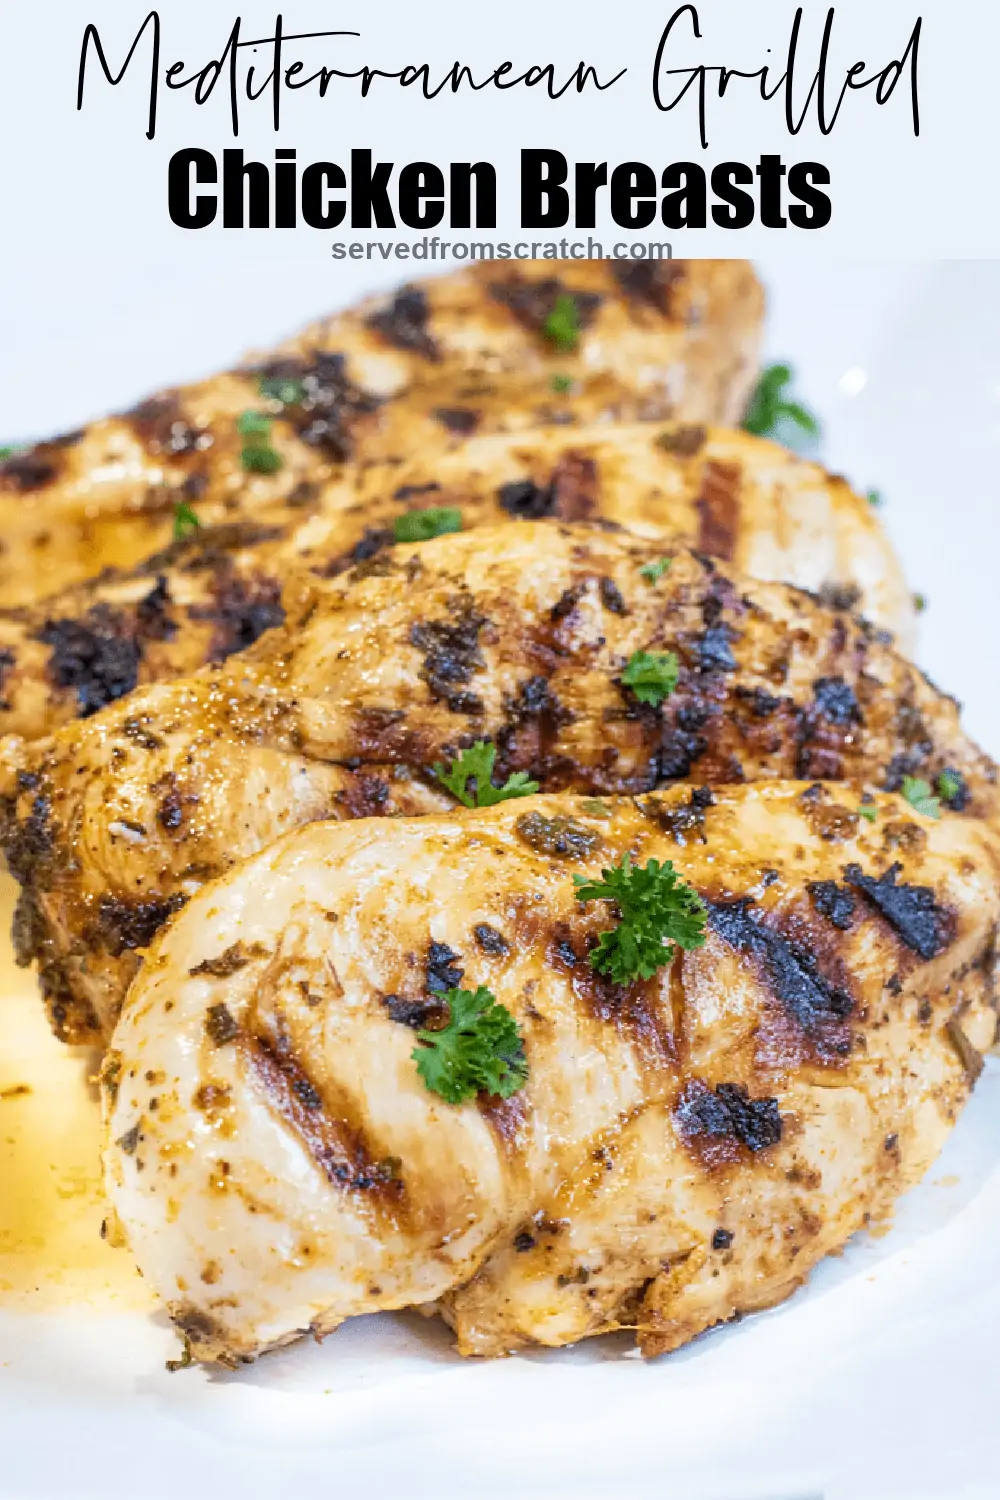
<point x="774" y="516"/>
<point x="519" y="634"/>
<point x="685" y="1148"/>
<point x="416" y="370"/>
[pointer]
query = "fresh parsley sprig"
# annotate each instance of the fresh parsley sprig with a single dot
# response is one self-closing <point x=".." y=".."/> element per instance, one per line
<point x="654" y="571"/>
<point x="652" y="675"/>
<point x="920" y="795"/>
<point x="770" y="408"/>
<point x="186" y="522"/>
<point x="656" y="910"/>
<point x="476" y="766"/>
<point x="283" y="388"/>
<point x="258" y="456"/>
<point x="479" y="1051"/>
<point x="422" y="525"/>
<point x="562" y="326"/>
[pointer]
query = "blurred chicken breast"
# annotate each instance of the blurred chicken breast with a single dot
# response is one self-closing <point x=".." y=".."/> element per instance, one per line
<point x="420" y="368"/>
<point x="684" y="1149"/>
<point x="773" y="515"/>
<point x="520" y="634"/>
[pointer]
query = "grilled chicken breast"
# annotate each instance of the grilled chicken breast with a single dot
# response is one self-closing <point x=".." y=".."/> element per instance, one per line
<point x="520" y="634"/>
<point x="751" y="502"/>
<point x="684" y="1149"/>
<point x="422" y="368"/>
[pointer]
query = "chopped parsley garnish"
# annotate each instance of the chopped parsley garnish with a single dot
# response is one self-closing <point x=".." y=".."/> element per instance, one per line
<point x="562" y="326"/>
<point x="920" y="795"/>
<point x="186" y="522"/>
<point x="920" y="603"/>
<point x="656" y="910"/>
<point x="868" y="811"/>
<point x="875" y="498"/>
<point x="476" y="766"/>
<point x="479" y="1051"/>
<point x="596" y="808"/>
<point x="652" y="675"/>
<point x="421" y="525"/>
<point x="561" y="384"/>
<point x="258" y="456"/>
<point x="6" y="453"/>
<point x="770" y="409"/>
<point x="654" y="571"/>
<point x="281" y="388"/>
<point x="949" y="786"/>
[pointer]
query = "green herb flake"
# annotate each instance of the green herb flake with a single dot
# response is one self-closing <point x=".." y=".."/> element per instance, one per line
<point x="920" y="603"/>
<point x="596" y="808"/>
<point x="949" y="786"/>
<point x="654" y="571"/>
<point x="875" y="498"/>
<point x="258" y="456"/>
<point x="920" y="796"/>
<point x="186" y="522"/>
<point x="280" y="388"/>
<point x="657" y="911"/>
<point x="6" y="453"/>
<point x="868" y="811"/>
<point x="253" y="424"/>
<point x="652" y="675"/>
<point x="769" y="406"/>
<point x="562" y="326"/>
<point x="422" y="525"/>
<point x="479" y="1051"/>
<point x="562" y="384"/>
<point x="476" y="766"/>
<point x="260" y="460"/>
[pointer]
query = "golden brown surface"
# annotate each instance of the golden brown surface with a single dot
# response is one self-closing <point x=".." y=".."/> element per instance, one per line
<point x="685" y="1148"/>
<point x="750" y="502"/>
<point x="399" y="374"/>
<point x="519" y="634"/>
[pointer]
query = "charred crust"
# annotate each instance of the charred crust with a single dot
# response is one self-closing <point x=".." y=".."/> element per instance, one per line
<point x="819" y="1007"/>
<point x="649" y="281"/>
<point x="683" y="823"/>
<point x="452" y="656"/>
<point x="403" y="323"/>
<point x="443" y="968"/>
<point x="221" y="1026"/>
<point x="29" y="471"/>
<point x="957" y="799"/>
<point x="833" y="902"/>
<point x="154" y="621"/>
<point x="525" y="500"/>
<point x="235" y="958"/>
<point x="330" y="404"/>
<point x="836" y="701"/>
<point x="241" y="610"/>
<point x="844" y="597"/>
<point x="711" y="1118"/>
<point x="160" y="425"/>
<point x="531" y="302"/>
<point x="419" y="1014"/>
<point x="722" y="1239"/>
<point x="490" y="940"/>
<point x="684" y="441"/>
<point x="912" y="911"/>
<point x="611" y="597"/>
<point x="97" y="657"/>
<point x="461" y="420"/>
<point x="123" y="926"/>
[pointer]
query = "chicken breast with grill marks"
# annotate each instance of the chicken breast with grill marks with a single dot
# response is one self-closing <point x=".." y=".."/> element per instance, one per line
<point x="685" y="1148"/>
<point x="418" y="369"/>
<point x="520" y="634"/>
<point x="733" y="496"/>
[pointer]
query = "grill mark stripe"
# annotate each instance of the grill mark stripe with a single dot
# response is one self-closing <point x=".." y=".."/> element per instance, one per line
<point x="338" y="1146"/>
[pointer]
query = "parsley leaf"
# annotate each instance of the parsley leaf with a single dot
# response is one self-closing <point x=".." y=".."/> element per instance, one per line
<point x="186" y="522"/>
<point x="6" y="453"/>
<point x="281" y="388"/>
<point x="476" y="765"/>
<point x="561" y="384"/>
<point x="949" y="786"/>
<point x="769" y="407"/>
<point x="562" y="326"/>
<point x="875" y="498"/>
<point x="868" y="811"/>
<point x="920" y="603"/>
<point x="654" y="571"/>
<point x="920" y="796"/>
<point x="652" y="675"/>
<point x="480" y="1049"/>
<point x="258" y="456"/>
<point x="421" y="525"/>
<point x="656" y="910"/>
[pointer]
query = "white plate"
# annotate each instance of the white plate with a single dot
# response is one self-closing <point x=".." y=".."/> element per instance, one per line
<point x="877" y="1380"/>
